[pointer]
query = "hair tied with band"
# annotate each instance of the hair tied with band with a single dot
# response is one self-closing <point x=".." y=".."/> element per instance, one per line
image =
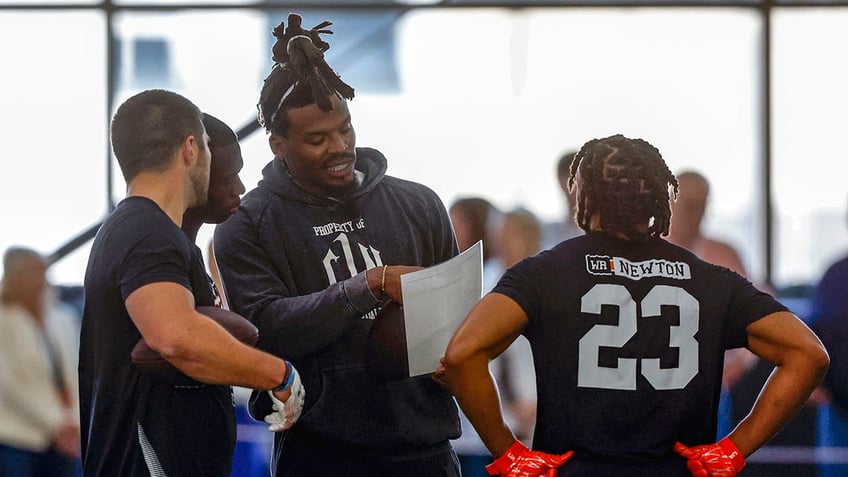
<point x="300" y="54"/>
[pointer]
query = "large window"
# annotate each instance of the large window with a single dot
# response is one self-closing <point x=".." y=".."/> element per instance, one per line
<point x="483" y="110"/>
<point x="810" y="100"/>
<point x="53" y="118"/>
<point x="488" y="109"/>
<point x="470" y="97"/>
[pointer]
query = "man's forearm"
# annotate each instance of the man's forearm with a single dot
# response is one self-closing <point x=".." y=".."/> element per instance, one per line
<point x="783" y="394"/>
<point x="301" y="325"/>
<point x="477" y="395"/>
<point x="211" y="355"/>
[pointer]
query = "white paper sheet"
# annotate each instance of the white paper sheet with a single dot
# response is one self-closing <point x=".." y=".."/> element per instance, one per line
<point x="435" y="302"/>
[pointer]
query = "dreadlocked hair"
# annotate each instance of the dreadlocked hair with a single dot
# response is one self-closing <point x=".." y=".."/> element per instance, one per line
<point x="300" y="75"/>
<point x="626" y="183"/>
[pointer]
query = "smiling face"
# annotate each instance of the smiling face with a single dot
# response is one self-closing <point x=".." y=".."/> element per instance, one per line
<point x="319" y="148"/>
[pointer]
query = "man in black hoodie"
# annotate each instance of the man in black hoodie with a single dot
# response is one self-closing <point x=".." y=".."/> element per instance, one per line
<point x="313" y="254"/>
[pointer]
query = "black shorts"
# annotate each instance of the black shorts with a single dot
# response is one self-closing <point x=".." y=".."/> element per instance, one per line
<point x="301" y="456"/>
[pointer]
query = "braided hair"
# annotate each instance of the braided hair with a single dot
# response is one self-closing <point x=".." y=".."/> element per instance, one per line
<point x="626" y="183"/>
<point x="300" y="75"/>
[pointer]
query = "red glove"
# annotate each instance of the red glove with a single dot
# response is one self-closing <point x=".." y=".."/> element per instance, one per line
<point x="519" y="461"/>
<point x="722" y="459"/>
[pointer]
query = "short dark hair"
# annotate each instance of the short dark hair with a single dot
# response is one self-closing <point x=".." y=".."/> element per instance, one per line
<point x="149" y="127"/>
<point x="300" y="75"/>
<point x="626" y="182"/>
<point x="220" y="134"/>
<point x="695" y="175"/>
<point x="478" y="213"/>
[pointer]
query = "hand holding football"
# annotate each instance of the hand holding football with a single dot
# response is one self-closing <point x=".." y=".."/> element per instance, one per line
<point x="149" y="360"/>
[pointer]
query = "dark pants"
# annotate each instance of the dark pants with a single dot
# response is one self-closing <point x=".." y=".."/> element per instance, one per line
<point x="474" y="465"/>
<point x="22" y="463"/>
<point x="306" y="457"/>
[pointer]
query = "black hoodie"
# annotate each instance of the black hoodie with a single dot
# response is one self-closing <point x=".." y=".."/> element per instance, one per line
<point x="294" y="264"/>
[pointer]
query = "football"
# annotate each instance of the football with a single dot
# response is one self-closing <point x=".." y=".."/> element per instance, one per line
<point x="149" y="360"/>
<point x="386" y="356"/>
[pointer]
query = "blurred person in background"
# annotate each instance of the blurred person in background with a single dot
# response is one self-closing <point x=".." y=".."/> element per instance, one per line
<point x="566" y="228"/>
<point x="687" y="231"/>
<point x="688" y="213"/>
<point x="39" y="342"/>
<point x="519" y="236"/>
<point x="830" y="321"/>
<point x="473" y="220"/>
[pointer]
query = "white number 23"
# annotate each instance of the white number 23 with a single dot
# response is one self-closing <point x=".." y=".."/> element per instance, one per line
<point x="591" y="375"/>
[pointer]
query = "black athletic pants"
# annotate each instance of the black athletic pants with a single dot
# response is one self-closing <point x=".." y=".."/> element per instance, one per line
<point x="302" y="456"/>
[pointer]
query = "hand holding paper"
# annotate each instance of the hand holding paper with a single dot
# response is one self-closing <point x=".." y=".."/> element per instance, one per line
<point x="435" y="302"/>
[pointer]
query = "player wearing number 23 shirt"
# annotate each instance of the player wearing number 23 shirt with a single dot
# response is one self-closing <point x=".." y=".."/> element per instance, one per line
<point x="628" y="333"/>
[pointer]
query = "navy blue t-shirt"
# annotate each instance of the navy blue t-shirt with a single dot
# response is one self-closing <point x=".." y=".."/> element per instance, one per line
<point x="628" y="341"/>
<point x="134" y="423"/>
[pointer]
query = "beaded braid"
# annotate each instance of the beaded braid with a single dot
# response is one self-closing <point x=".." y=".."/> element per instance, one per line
<point x="300" y="75"/>
<point x="626" y="183"/>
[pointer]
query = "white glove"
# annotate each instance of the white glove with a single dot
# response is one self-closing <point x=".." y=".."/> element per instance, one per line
<point x="286" y="413"/>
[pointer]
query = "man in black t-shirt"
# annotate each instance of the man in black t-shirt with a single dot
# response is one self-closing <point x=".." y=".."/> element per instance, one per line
<point x="142" y="281"/>
<point x="628" y="334"/>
